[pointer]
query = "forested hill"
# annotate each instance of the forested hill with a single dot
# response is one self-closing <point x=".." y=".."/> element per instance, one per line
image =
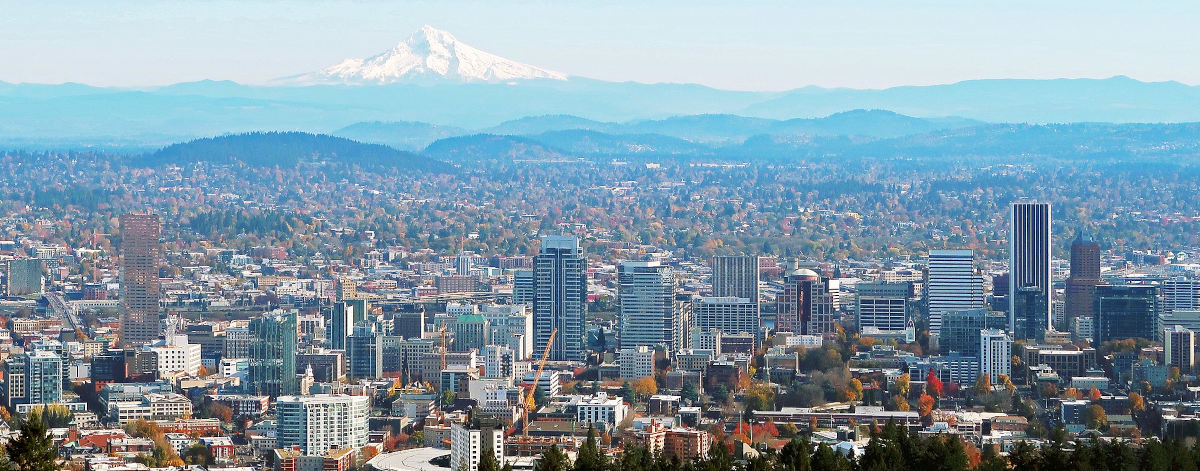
<point x="266" y="149"/>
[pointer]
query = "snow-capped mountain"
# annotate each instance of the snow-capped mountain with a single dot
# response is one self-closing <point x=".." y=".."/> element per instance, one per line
<point x="429" y="54"/>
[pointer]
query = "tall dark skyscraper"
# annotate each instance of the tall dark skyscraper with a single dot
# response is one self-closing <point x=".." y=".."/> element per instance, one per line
<point x="1085" y="275"/>
<point x="342" y="319"/>
<point x="272" y="369"/>
<point x="140" y="258"/>
<point x="560" y="298"/>
<point x="1125" y="312"/>
<point x="1029" y="263"/>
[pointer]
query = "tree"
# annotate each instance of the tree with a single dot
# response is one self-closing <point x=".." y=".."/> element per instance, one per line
<point x="487" y="461"/>
<point x="645" y="387"/>
<point x="933" y="384"/>
<point x="983" y="384"/>
<point x="689" y="392"/>
<point x="856" y="387"/>
<point x="925" y="405"/>
<point x="1136" y="403"/>
<point x="198" y="454"/>
<point x="589" y="457"/>
<point x="32" y="450"/>
<point x="719" y="393"/>
<point x="1094" y="394"/>
<point x="760" y="396"/>
<point x="902" y="385"/>
<point x="900" y="403"/>
<point x="1095" y="417"/>
<point x="627" y="392"/>
<point x="55" y="415"/>
<point x="553" y="460"/>
<point x="1008" y="384"/>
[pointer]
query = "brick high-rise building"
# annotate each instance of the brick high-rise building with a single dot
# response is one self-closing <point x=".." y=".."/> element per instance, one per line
<point x="140" y="258"/>
<point x="1085" y="276"/>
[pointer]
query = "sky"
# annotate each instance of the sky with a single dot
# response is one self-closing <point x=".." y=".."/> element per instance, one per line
<point x="740" y="45"/>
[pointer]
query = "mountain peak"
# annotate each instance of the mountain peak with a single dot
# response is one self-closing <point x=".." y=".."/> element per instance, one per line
<point x="428" y="55"/>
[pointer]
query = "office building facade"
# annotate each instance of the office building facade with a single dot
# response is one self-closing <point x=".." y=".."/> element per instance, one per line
<point x="272" y="369"/>
<point x="322" y="422"/>
<point x="140" y="259"/>
<point x="1126" y="311"/>
<point x="649" y="313"/>
<point x="1085" y="276"/>
<point x="951" y="284"/>
<point x="883" y="306"/>
<point x="805" y="306"/>
<point x="995" y="354"/>
<point x="560" y="298"/>
<point x="1029" y="239"/>
<point x="735" y="276"/>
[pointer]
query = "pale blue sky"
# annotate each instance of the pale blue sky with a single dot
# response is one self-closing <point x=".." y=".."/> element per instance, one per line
<point x="750" y="45"/>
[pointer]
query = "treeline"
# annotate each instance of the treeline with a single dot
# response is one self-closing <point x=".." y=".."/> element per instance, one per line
<point x="891" y="448"/>
<point x="244" y="222"/>
<point x="268" y="149"/>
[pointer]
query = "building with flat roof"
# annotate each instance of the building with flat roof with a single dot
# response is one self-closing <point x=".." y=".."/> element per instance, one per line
<point x="322" y="422"/>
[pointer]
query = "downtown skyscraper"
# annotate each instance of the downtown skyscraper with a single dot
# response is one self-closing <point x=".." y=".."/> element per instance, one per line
<point x="1029" y="284"/>
<point x="735" y="276"/>
<point x="650" y="313"/>
<point x="1085" y="276"/>
<point x="272" y="370"/>
<point x="140" y="258"/>
<point x="560" y="298"/>
<point x="952" y="285"/>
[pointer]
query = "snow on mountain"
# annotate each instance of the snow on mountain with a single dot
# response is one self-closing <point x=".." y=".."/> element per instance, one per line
<point x="429" y="54"/>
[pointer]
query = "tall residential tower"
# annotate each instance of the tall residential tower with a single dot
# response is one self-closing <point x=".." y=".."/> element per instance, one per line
<point x="560" y="298"/>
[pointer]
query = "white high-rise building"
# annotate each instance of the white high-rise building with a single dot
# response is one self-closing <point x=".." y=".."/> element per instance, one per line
<point x="1181" y="294"/>
<point x="1179" y="346"/>
<point x="321" y="422"/>
<point x="995" y="353"/>
<point x="467" y="446"/>
<point x="498" y="362"/>
<point x="729" y="315"/>
<point x="649" y="312"/>
<point x="511" y="325"/>
<point x="176" y="356"/>
<point x="882" y="306"/>
<point x="636" y="362"/>
<point x="953" y="285"/>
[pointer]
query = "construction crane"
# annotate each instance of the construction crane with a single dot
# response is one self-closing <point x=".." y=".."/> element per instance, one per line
<point x="530" y="403"/>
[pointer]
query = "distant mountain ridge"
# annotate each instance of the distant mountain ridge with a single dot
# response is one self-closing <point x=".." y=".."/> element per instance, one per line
<point x="267" y="149"/>
<point x="985" y="142"/>
<point x="710" y="128"/>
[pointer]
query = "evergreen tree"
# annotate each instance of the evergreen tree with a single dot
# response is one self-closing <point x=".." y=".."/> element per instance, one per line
<point x="32" y="450"/>
<point x="487" y="461"/>
<point x="553" y="460"/>
<point x="589" y="457"/>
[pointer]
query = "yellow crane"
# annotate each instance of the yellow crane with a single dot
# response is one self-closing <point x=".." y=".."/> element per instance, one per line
<point x="530" y="403"/>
